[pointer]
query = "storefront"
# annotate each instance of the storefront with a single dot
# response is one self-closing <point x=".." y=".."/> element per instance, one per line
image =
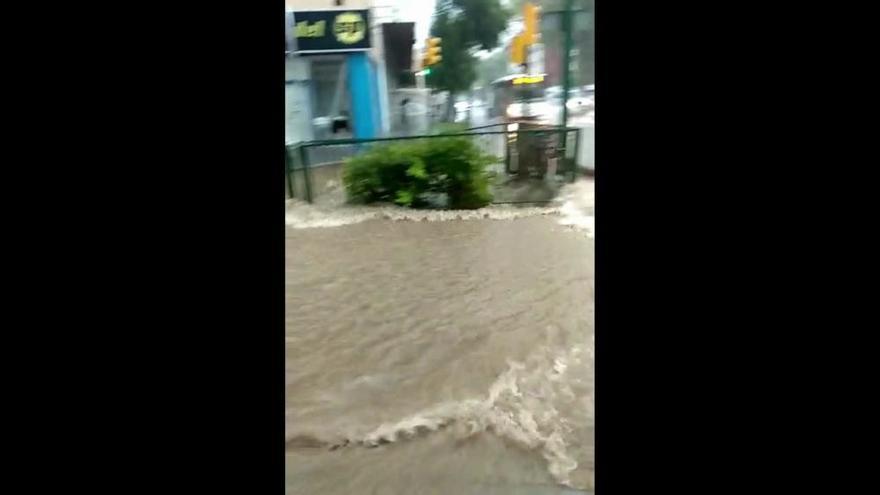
<point x="332" y="88"/>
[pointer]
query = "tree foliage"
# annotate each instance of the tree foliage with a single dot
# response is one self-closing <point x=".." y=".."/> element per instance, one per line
<point x="552" y="5"/>
<point x="465" y="27"/>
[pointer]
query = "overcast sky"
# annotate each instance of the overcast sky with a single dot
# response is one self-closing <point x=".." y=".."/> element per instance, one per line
<point x="418" y="11"/>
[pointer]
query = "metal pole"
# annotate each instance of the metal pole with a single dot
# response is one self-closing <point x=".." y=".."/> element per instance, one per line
<point x="525" y="68"/>
<point x="507" y="152"/>
<point x="287" y="168"/>
<point x="307" y="179"/>
<point x="566" y="79"/>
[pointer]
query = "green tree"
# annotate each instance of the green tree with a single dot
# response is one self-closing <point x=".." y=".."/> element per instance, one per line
<point x="551" y="5"/>
<point x="493" y="67"/>
<point x="465" y="27"/>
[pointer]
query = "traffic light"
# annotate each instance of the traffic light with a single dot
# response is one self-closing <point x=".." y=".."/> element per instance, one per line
<point x="432" y="52"/>
<point x="518" y="49"/>
<point x="530" y="19"/>
<point x="529" y="36"/>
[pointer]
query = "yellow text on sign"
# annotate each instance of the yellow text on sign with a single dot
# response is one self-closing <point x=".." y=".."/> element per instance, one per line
<point x="306" y="30"/>
<point x="349" y="28"/>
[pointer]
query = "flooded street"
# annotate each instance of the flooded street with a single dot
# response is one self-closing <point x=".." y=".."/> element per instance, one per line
<point x="440" y="357"/>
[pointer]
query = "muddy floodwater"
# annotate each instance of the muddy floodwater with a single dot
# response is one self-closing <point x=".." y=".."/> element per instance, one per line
<point x="439" y="357"/>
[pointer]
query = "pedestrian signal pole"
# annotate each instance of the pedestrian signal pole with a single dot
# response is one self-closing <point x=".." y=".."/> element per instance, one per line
<point x="431" y="57"/>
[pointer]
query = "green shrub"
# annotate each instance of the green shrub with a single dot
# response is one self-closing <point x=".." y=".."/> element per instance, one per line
<point x="411" y="173"/>
<point x="377" y="174"/>
<point x="448" y="128"/>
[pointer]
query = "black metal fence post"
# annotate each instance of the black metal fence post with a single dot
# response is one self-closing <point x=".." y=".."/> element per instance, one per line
<point x="287" y="171"/>
<point x="307" y="178"/>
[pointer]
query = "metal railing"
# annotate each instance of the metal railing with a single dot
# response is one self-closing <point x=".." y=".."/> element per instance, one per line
<point x="313" y="169"/>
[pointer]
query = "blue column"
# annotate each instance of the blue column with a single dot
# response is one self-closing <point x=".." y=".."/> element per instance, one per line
<point x="377" y="101"/>
<point x="361" y="84"/>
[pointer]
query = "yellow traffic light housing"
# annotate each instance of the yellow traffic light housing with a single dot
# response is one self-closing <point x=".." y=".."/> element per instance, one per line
<point x="529" y="35"/>
<point x="518" y="49"/>
<point x="433" y="52"/>
<point x="530" y="19"/>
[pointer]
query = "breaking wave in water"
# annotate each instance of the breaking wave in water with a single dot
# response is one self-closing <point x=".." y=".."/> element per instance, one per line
<point x="542" y="404"/>
<point x="574" y="207"/>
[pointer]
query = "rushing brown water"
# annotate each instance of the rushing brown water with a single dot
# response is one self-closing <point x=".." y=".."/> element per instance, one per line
<point x="449" y="357"/>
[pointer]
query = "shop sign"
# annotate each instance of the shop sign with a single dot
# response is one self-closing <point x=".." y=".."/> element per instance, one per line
<point x="320" y="31"/>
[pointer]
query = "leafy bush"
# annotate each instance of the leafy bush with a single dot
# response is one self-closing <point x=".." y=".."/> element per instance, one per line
<point x="412" y="173"/>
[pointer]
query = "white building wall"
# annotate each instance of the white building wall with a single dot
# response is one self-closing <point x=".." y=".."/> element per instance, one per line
<point x="297" y="105"/>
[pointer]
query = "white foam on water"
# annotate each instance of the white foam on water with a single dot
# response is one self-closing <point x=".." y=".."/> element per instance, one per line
<point x="576" y="203"/>
<point x="522" y="405"/>
<point x="574" y="206"/>
<point x="304" y="216"/>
